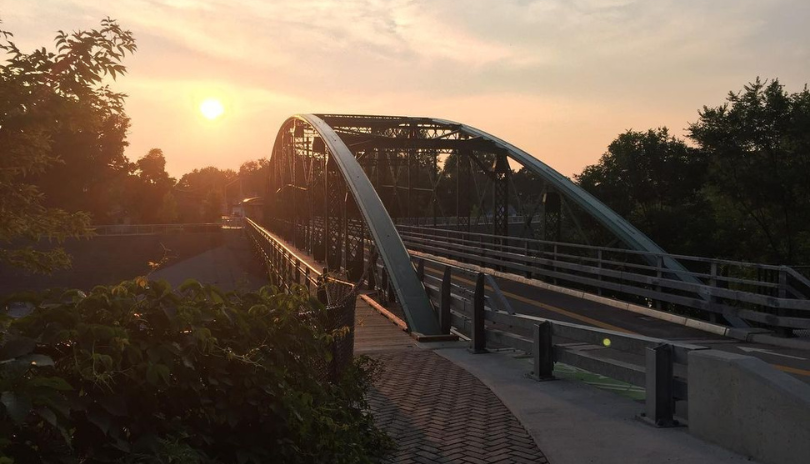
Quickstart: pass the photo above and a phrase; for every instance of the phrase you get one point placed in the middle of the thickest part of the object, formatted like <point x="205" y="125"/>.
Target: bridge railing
<point x="483" y="315"/>
<point x="287" y="270"/>
<point x="772" y="296"/>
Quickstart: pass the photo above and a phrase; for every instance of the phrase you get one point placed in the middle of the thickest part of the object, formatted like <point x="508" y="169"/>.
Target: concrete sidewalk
<point x="429" y="407"/>
<point x="574" y="423"/>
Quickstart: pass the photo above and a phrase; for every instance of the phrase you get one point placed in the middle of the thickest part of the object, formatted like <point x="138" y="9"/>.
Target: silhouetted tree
<point x="200" y="193"/>
<point x="758" y="148"/>
<point x="148" y="201"/>
<point x="655" y="181"/>
<point x="54" y="111"/>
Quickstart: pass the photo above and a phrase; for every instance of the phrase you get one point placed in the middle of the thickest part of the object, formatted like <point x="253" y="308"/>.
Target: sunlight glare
<point x="211" y="108"/>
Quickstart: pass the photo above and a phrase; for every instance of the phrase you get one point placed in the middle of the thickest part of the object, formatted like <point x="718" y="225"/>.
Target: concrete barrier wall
<point x="749" y="407"/>
<point x="104" y="260"/>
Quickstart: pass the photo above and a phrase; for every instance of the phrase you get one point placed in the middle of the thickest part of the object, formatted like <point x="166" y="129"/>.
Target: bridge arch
<point x="339" y="183"/>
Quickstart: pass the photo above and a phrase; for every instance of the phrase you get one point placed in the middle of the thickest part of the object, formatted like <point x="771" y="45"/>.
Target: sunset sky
<point x="560" y="79"/>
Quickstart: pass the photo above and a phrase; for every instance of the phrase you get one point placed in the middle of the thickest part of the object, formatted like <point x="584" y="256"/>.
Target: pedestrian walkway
<point x="436" y="411"/>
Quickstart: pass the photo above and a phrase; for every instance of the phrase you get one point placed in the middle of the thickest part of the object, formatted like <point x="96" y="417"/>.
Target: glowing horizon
<point x="558" y="79"/>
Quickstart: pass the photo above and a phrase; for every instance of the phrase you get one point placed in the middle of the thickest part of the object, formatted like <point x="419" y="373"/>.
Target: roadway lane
<point x="533" y="301"/>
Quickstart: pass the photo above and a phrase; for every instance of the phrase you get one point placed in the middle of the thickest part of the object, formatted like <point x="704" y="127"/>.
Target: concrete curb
<point x="752" y="335"/>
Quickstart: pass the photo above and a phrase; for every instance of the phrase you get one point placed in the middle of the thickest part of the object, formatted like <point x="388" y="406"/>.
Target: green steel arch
<point x="349" y="147"/>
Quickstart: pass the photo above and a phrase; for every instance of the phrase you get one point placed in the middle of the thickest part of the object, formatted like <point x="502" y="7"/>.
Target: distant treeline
<point x="114" y="190"/>
<point x="739" y="188"/>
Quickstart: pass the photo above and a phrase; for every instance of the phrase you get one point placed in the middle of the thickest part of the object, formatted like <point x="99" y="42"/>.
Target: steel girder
<point x="390" y="144"/>
<point x="332" y="177"/>
<point x="466" y="139"/>
<point x="621" y="228"/>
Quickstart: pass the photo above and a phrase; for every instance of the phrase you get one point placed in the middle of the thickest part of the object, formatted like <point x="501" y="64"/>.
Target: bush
<point x="139" y="373"/>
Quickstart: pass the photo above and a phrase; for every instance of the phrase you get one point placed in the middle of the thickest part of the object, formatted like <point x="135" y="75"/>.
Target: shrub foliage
<point x="140" y="373"/>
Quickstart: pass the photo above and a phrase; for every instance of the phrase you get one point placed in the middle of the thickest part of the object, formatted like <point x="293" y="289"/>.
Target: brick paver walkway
<point x="436" y="411"/>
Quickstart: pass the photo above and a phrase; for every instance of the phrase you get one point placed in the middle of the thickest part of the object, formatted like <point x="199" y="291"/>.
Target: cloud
<point x="582" y="67"/>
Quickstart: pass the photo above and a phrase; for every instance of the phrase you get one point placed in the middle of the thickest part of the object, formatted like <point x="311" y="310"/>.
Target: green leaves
<point x="17" y="406"/>
<point x="53" y="111"/>
<point x="140" y="369"/>
<point x="14" y="347"/>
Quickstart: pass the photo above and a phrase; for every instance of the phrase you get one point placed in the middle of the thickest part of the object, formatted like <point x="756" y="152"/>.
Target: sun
<point x="211" y="108"/>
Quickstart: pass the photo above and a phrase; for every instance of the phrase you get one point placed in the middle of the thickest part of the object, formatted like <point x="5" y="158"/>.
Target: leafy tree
<point x="655" y="181"/>
<point x="139" y="373"/>
<point x="253" y="176"/>
<point x="152" y="168"/>
<point x="150" y="198"/>
<point x="200" y="193"/>
<point x="53" y="104"/>
<point x="167" y="213"/>
<point x="758" y="148"/>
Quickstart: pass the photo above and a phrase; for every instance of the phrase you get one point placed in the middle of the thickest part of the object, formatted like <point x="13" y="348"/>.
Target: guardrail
<point x="486" y="318"/>
<point x="773" y="296"/>
<point x="286" y="270"/>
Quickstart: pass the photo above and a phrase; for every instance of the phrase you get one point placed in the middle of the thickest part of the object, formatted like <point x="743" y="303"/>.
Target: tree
<point x="253" y="176"/>
<point x="51" y="103"/>
<point x="200" y="193"/>
<point x="758" y="148"/>
<point x="150" y="194"/>
<point x="167" y="213"/>
<point x="655" y="181"/>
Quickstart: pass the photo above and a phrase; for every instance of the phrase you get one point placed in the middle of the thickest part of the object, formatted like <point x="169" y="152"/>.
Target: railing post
<point x="446" y="301"/>
<point x="713" y="285"/>
<point x="554" y="268"/>
<point x="307" y="279"/>
<point x="543" y="352"/>
<point x="478" y="341"/>
<point x="599" y="265"/>
<point x="528" y="263"/>
<point x="321" y="291"/>
<point x="297" y="271"/>
<point x="420" y="270"/>
<point x="660" y="404"/>
<point x="659" y="268"/>
<point x="782" y="293"/>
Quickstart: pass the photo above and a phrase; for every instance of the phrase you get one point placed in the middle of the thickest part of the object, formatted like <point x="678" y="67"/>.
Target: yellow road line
<point x="548" y="307"/>
<point x="791" y="370"/>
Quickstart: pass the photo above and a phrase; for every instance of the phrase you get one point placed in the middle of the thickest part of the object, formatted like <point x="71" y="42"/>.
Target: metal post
<point x="444" y="309"/>
<point x="782" y="293"/>
<point x="660" y="405"/>
<point x="713" y="299"/>
<point x="478" y="342"/>
<point x="322" y="287"/>
<point x="528" y="263"/>
<point x="659" y="268"/>
<point x="420" y="270"/>
<point x="543" y="352"/>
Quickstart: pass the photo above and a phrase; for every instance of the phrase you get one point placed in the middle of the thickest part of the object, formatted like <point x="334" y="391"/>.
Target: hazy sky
<point x="560" y="79"/>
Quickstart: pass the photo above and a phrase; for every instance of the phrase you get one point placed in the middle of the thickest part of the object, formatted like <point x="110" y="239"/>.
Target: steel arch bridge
<point x="339" y="183"/>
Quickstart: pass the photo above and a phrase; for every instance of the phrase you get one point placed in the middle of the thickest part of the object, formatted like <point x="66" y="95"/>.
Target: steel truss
<point x="340" y="182"/>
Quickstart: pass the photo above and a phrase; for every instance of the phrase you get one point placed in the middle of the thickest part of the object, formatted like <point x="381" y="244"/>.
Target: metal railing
<point x="484" y="316"/>
<point x="772" y="296"/>
<point x="286" y="270"/>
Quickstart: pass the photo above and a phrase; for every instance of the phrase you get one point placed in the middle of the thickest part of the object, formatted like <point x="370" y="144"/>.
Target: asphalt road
<point x="533" y="301"/>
